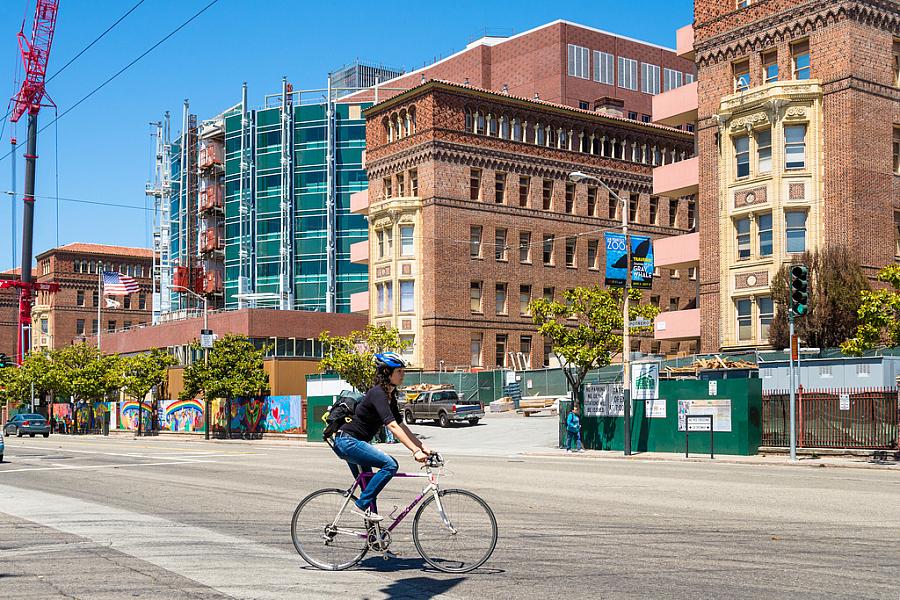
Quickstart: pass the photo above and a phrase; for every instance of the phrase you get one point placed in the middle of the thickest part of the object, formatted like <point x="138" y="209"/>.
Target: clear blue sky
<point x="104" y="145"/>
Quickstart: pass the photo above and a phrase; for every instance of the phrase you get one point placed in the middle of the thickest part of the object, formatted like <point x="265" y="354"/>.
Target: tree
<point x="87" y="374"/>
<point x="142" y="372"/>
<point x="835" y="283"/>
<point x="39" y="369"/>
<point x="878" y="315"/>
<point x="233" y="369"/>
<point x="586" y="329"/>
<point x="13" y="390"/>
<point x="351" y="356"/>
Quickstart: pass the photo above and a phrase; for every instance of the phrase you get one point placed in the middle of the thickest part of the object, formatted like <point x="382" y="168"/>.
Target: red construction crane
<point x="30" y="98"/>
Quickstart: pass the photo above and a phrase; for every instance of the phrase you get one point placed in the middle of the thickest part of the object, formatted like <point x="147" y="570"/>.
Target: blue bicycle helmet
<point x="390" y="360"/>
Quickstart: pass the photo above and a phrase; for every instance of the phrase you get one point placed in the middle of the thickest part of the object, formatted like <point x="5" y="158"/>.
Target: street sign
<point x="639" y="322"/>
<point x="845" y="401"/>
<point x="698" y="423"/>
<point x="795" y="348"/>
<point x="206" y="338"/>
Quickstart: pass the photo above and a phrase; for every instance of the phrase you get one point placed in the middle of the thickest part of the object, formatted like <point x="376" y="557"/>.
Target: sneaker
<point x="369" y="516"/>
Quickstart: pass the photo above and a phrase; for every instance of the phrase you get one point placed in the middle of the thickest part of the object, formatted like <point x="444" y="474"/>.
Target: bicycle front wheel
<point x="459" y="540"/>
<point x="324" y="538"/>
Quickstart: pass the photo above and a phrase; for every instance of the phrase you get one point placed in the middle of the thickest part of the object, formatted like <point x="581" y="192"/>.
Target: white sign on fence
<point x="719" y="409"/>
<point x="605" y="400"/>
<point x="655" y="409"/>
<point x="698" y="422"/>
<point x="713" y="388"/>
<point x="845" y="401"/>
<point x="645" y="381"/>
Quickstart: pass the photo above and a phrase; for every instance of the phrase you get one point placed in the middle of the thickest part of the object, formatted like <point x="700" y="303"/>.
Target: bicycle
<point x="454" y="530"/>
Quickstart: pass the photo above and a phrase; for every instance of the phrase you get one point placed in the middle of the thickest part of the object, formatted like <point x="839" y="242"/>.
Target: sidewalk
<point x="763" y="459"/>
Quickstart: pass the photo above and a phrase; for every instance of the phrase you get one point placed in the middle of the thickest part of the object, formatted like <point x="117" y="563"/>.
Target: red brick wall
<point x="9" y="311"/>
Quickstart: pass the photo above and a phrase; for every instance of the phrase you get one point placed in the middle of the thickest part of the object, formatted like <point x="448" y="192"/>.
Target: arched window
<point x="470" y="122"/>
<point x="553" y="136"/>
<point x="492" y="125"/>
<point x="540" y="135"/>
<point x="412" y="119"/>
<point x="517" y="130"/>
<point x="387" y="129"/>
<point x="479" y="123"/>
<point x="563" y="139"/>
<point x="504" y="128"/>
<point x="404" y="119"/>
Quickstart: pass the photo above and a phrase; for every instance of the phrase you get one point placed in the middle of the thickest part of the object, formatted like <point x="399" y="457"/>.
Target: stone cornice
<point x="797" y="22"/>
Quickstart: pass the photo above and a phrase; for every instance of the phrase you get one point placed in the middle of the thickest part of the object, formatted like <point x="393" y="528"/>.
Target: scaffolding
<point x="160" y="190"/>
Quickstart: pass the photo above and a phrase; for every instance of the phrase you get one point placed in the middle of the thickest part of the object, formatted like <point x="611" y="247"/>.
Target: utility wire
<point x="125" y="68"/>
<point x="81" y="201"/>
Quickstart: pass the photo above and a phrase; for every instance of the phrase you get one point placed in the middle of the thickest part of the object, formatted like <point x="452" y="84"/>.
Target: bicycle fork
<point x="441" y="512"/>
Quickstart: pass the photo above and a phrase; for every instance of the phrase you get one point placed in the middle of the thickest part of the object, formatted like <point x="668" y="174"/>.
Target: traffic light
<point x="799" y="290"/>
<point x="6" y="361"/>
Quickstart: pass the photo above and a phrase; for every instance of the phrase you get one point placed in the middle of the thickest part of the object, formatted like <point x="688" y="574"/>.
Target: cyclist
<point x="352" y="442"/>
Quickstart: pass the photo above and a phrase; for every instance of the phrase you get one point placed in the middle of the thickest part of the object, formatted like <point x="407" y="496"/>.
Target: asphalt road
<point x="171" y="518"/>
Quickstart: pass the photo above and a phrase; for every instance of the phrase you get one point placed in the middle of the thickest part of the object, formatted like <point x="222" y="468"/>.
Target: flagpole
<point x="99" y="301"/>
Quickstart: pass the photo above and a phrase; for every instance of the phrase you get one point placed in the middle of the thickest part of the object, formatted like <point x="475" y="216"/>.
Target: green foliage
<point x="234" y="369"/>
<point x="40" y="369"/>
<point x="835" y="282"/>
<point x="85" y="373"/>
<point x="351" y="356"/>
<point x="879" y="315"/>
<point x="13" y="389"/>
<point x="141" y="372"/>
<point x="586" y="329"/>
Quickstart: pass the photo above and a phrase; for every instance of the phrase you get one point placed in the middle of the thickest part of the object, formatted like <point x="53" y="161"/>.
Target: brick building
<point x="9" y="311"/>
<point x="797" y="105"/>
<point x="472" y="215"/>
<point x="70" y="315"/>
<point x="561" y="62"/>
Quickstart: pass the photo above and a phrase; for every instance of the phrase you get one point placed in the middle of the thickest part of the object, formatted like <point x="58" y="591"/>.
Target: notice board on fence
<point x="605" y="400"/>
<point x="720" y="410"/>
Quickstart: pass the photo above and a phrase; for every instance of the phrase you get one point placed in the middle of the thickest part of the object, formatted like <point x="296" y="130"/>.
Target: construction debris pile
<point x="707" y="364"/>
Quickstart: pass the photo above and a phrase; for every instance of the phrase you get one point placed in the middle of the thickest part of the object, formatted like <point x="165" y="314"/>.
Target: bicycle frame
<point x="432" y="488"/>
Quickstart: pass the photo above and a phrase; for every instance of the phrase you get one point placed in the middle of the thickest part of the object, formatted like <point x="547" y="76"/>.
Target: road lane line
<point x="235" y="566"/>
<point x="119" y="466"/>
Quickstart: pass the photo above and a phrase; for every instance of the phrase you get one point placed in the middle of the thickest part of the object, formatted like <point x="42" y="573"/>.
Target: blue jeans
<point x="573" y="440"/>
<point x="362" y="456"/>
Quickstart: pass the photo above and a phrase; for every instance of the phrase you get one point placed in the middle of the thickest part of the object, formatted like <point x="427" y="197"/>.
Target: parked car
<point x="443" y="406"/>
<point x="1" y="446"/>
<point x="27" y="424"/>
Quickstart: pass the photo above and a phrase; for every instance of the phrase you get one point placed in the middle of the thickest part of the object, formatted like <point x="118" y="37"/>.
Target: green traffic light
<point x="800" y="287"/>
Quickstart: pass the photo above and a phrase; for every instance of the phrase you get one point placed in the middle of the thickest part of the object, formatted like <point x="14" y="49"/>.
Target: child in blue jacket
<point x="573" y="431"/>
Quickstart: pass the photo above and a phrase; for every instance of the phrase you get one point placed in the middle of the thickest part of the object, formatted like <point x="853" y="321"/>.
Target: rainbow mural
<point x="128" y="415"/>
<point x="181" y="415"/>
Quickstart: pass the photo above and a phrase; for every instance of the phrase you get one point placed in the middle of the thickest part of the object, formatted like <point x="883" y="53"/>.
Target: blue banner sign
<point x="617" y="261"/>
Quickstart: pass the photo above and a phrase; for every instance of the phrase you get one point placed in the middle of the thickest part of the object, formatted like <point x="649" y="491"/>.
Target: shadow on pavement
<point x="420" y="588"/>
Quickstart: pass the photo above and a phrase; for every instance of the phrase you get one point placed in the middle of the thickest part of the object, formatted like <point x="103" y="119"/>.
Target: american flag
<point x="116" y="284"/>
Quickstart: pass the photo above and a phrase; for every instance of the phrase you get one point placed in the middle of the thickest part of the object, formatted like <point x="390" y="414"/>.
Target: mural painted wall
<point x="181" y="415"/>
<point x="128" y="415"/>
<point x="273" y="414"/>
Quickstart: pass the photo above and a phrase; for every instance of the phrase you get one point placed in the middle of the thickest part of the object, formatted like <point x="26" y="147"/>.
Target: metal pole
<point x="28" y="205"/>
<point x="32" y="396"/>
<point x="793" y="432"/>
<point x="626" y="333"/>
<point x="99" y="300"/>
<point x="12" y="238"/>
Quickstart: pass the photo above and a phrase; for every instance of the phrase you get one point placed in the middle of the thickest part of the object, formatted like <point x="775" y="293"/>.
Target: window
<point x="896" y="150"/>
<point x="632" y="115"/>
<point x="95" y="297"/>
<point x="525" y="347"/>
<point x="479" y="123"/>
<point x="654" y="301"/>
<point x="744" y="320"/>
<point x="673" y="303"/>
<point x="407" y="245"/>
<point x="500" y="297"/>
<point x="672" y="79"/>
<point x="742" y="155"/>
<point x="499" y="187"/>
<point x="583" y="105"/>
<point x="741" y="76"/>
<point x="764" y="151"/>
<point x="110" y="326"/>
<point x="475" y="297"/>
<point x="389" y="297"/>
<point x="504" y="128"/>
<point x="94" y="328"/>
<point x="592" y="255"/>
<point x="604" y="67"/>
<point x="407" y="296"/>
<point x="79" y="327"/>
<point x="379" y="290"/>
<point x="633" y="200"/>
<point x="524" y="300"/>
<point x="766" y="314"/>
<point x="689" y="78"/>
<point x="795" y="222"/>
<point x="142" y="301"/>
<point x="654" y="209"/>
<point x="692" y="214"/>
<point x="743" y="238"/>
<point x="896" y="234"/>
<point x="500" y="351"/>
<point x="517" y="130"/>
<point x="795" y="147"/>
<point x="613" y="206"/>
<point x="579" y="62"/>
<point x="475" y="241"/>
<point x="45" y="326"/>
<point x="475" y="349"/>
<point x="800" y="59"/>
<point x="592" y="201"/>
<point x="692" y="273"/>
<point x="646" y="118"/>
<point x="492" y="126"/>
<point x="549" y="294"/>
<point x="628" y="73"/>
<point x="410" y="348"/>
<point x="764" y="227"/>
<point x="524" y="184"/>
<point x="79" y="298"/>
<point x="896" y="63"/>
<point x="548" y="194"/>
<point x="570" y="198"/>
<point x="649" y="79"/>
<point x="571" y="248"/>
<point x="548" y="352"/>
<point x="381" y="244"/>
<point x="770" y="67"/>
<point x="387" y="187"/>
<point x="500" y="245"/>
<point x="127" y="324"/>
<point x="540" y="137"/>
<point x="389" y="242"/>
<point x="743" y="3"/>
<point x="475" y="184"/>
<point x="401" y="191"/>
<point x="414" y="183"/>
<point x="548" y="250"/>
<point x="525" y="246"/>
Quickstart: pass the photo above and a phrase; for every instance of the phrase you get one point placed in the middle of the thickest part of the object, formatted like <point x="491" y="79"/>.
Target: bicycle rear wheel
<point x="466" y="543"/>
<point x="322" y="542"/>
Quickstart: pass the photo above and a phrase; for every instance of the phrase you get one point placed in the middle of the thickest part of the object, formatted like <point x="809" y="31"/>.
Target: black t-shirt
<point x="374" y="411"/>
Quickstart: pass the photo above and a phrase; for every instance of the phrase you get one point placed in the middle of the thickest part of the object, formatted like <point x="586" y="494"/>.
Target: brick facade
<point x="535" y="63"/>
<point x="853" y="108"/>
<point x="9" y="311"/>
<point x="443" y="150"/>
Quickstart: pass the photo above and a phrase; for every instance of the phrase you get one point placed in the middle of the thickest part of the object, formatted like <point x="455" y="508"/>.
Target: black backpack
<point x="340" y="412"/>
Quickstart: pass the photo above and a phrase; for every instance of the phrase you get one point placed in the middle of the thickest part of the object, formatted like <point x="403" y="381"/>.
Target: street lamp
<point x="180" y="288"/>
<point x="576" y="177"/>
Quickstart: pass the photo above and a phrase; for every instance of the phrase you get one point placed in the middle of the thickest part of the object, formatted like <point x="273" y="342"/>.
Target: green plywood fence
<point x="661" y="434"/>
